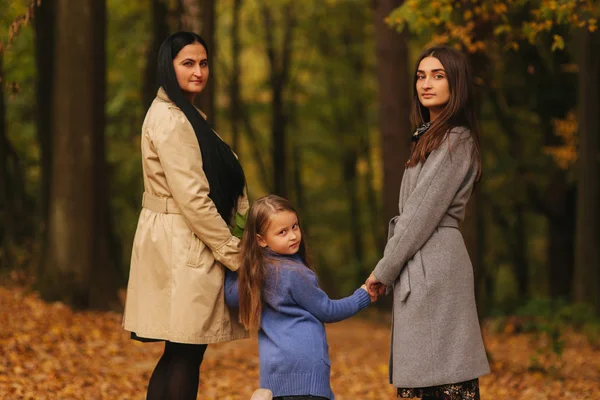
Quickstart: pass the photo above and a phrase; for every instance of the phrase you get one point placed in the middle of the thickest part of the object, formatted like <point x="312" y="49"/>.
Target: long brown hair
<point x="459" y="111"/>
<point x="252" y="273"/>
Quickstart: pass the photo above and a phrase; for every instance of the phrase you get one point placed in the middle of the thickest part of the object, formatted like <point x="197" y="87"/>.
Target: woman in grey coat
<point x="437" y="350"/>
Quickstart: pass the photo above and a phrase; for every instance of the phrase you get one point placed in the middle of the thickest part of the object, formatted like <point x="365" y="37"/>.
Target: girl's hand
<point x="373" y="296"/>
<point x="374" y="287"/>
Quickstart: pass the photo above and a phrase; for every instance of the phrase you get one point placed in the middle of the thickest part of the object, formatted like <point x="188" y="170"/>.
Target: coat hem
<point x="449" y="381"/>
<point x="188" y="339"/>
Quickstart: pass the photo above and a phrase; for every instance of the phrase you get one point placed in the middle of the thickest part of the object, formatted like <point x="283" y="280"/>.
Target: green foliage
<point x="549" y="319"/>
<point x="557" y="312"/>
<point x="239" y="224"/>
<point x="480" y="25"/>
<point x="520" y="51"/>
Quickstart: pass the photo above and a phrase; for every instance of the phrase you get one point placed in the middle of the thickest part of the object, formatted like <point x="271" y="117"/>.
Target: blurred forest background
<point x="314" y="97"/>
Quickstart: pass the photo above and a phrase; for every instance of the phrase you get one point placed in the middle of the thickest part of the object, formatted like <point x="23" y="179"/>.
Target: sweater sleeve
<point x="306" y="293"/>
<point x="440" y="179"/>
<point x="180" y="156"/>
<point x="231" y="289"/>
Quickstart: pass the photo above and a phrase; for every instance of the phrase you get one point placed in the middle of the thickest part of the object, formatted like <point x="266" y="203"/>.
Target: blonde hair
<point x="252" y="273"/>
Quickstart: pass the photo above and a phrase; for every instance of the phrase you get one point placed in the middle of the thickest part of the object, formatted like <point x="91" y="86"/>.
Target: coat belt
<point x="164" y="205"/>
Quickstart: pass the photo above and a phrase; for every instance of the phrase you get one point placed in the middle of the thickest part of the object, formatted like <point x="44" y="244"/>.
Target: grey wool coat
<point x="436" y="337"/>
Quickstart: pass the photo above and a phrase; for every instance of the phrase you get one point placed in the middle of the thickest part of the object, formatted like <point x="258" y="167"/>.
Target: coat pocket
<point x="194" y="252"/>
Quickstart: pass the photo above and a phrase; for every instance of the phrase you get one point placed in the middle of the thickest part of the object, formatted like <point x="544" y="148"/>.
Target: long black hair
<point x="223" y="170"/>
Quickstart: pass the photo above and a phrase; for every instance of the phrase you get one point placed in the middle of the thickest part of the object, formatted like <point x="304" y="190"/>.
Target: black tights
<point x="177" y="374"/>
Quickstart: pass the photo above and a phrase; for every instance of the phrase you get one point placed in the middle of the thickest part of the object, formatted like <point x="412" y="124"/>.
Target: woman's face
<point x="432" y="85"/>
<point x="191" y="69"/>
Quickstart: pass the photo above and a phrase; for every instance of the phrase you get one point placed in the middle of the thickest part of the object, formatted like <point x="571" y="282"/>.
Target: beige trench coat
<point x="181" y="245"/>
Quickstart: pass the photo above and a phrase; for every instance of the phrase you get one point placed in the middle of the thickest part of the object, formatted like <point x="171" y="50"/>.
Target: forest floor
<point x="52" y="352"/>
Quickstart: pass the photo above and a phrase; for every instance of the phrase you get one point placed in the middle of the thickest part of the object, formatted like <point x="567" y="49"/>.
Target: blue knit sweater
<point x="292" y="347"/>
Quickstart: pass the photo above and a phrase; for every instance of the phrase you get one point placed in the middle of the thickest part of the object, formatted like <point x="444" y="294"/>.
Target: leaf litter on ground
<point x="52" y="352"/>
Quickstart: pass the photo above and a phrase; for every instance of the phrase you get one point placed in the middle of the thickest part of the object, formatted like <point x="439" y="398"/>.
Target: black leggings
<point x="177" y="374"/>
<point x="306" y="397"/>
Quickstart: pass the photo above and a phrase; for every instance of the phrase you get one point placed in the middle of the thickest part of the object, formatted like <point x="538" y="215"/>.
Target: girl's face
<point x="432" y="86"/>
<point x="191" y="69"/>
<point x="283" y="234"/>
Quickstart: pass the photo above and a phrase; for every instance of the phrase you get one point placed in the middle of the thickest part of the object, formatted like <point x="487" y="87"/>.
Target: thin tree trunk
<point x="587" y="240"/>
<point x="560" y="198"/>
<point x="7" y="213"/>
<point x="234" y="83"/>
<point x="519" y="248"/>
<point x="298" y="186"/>
<point x="372" y="202"/>
<point x="79" y="269"/>
<point x="190" y="16"/>
<point x="206" y="99"/>
<point x="470" y="230"/>
<point x="12" y="185"/>
<point x="279" y="63"/>
<point x="160" y="31"/>
<point x="394" y="103"/>
<point x="44" y="48"/>
<point x="256" y="150"/>
<point x="350" y="182"/>
<point x="106" y="276"/>
<point x="520" y="253"/>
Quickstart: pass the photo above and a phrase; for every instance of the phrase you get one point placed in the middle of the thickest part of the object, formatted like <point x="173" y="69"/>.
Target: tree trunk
<point x="298" y="186"/>
<point x="190" y="16"/>
<point x="14" y="219"/>
<point x="234" y="85"/>
<point x="519" y="243"/>
<point x="160" y="31"/>
<point x="44" y="57"/>
<point x="473" y="235"/>
<point x="560" y="198"/>
<point x="79" y="269"/>
<point x="6" y="209"/>
<point x="393" y="79"/>
<point x="373" y="206"/>
<point x="351" y="184"/>
<point x="587" y="240"/>
<point x="206" y="99"/>
<point x="521" y="263"/>
<point x="279" y="62"/>
<point x="106" y="275"/>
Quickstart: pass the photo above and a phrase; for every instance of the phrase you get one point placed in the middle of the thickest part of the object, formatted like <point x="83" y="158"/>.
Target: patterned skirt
<point x="468" y="390"/>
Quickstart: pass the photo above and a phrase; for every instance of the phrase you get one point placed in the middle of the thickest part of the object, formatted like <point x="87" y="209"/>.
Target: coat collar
<point x="162" y="95"/>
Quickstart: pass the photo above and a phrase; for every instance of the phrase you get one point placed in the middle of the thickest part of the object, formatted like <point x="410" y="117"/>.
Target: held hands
<point x="374" y="287"/>
<point x="373" y="297"/>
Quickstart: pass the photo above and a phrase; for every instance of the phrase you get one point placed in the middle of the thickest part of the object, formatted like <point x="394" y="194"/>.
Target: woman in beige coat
<point x="193" y="186"/>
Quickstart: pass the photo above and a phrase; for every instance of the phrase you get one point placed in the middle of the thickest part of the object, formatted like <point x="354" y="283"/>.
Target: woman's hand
<point x="374" y="287"/>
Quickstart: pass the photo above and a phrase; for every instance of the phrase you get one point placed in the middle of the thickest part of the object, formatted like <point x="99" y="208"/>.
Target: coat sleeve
<point x="307" y="294"/>
<point x="180" y="157"/>
<point x="441" y="177"/>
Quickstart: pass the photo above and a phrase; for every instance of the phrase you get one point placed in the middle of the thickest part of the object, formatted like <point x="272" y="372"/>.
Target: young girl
<point x="437" y="349"/>
<point x="277" y="291"/>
